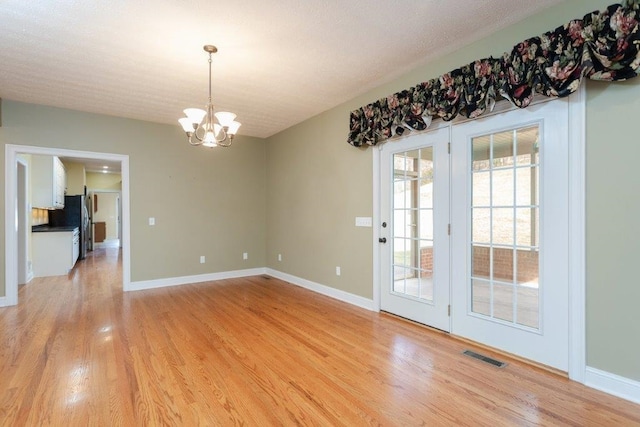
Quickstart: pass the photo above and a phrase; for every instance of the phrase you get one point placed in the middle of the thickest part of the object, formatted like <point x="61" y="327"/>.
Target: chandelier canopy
<point x="210" y="129"/>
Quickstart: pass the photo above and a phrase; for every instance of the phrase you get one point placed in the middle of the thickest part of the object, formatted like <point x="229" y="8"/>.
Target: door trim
<point x="577" y="230"/>
<point x="577" y="235"/>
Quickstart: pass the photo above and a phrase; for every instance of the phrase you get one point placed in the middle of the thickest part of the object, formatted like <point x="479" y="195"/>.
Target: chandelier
<point x="209" y="129"/>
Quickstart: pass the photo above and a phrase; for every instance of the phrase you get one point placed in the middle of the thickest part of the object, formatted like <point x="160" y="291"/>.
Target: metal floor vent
<point x="485" y="359"/>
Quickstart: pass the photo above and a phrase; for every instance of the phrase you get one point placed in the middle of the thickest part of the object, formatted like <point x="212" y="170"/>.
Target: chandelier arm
<point x="198" y="137"/>
<point x="222" y="135"/>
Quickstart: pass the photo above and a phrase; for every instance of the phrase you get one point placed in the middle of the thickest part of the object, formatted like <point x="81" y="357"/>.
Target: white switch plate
<point x="152" y="221"/>
<point x="338" y="271"/>
<point x="202" y="259"/>
<point x="364" y="221"/>
<point x="245" y="255"/>
<point x="279" y="257"/>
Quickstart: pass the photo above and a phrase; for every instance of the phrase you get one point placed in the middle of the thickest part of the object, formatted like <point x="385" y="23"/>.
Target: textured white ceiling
<point x="279" y="62"/>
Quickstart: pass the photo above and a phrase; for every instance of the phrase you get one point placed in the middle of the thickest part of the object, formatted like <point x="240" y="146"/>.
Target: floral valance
<point x="602" y="46"/>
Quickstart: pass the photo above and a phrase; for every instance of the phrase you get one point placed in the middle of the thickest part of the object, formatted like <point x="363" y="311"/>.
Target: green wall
<point x="613" y="229"/>
<point x="318" y="184"/>
<point x="206" y="201"/>
<point x="104" y="181"/>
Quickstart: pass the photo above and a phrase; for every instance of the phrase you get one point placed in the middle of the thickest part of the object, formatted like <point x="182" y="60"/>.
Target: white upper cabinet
<point x="48" y="182"/>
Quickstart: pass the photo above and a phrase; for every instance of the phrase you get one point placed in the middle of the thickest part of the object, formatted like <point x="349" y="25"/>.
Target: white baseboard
<point x="613" y="384"/>
<point x="184" y="280"/>
<point x="324" y="290"/>
<point x="4" y="302"/>
<point x="307" y="284"/>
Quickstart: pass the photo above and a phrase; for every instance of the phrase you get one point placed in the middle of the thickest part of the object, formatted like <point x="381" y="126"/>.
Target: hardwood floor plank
<point x="78" y="351"/>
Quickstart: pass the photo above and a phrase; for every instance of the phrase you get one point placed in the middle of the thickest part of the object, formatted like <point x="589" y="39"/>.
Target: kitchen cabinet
<point x="48" y="182"/>
<point x="55" y="252"/>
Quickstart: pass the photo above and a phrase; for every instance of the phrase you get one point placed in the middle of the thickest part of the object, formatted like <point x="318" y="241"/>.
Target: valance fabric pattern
<point x="603" y="45"/>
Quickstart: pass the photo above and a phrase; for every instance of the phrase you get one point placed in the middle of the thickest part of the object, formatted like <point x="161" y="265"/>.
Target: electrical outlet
<point x="245" y="255"/>
<point x="202" y="259"/>
<point x="338" y="271"/>
<point x="279" y="257"/>
<point x="152" y="221"/>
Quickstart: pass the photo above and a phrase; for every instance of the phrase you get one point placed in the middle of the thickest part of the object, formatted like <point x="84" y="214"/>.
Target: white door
<point x="510" y="232"/>
<point x="414" y="241"/>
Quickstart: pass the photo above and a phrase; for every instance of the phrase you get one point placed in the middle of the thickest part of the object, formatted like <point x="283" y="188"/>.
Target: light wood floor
<point x="255" y="351"/>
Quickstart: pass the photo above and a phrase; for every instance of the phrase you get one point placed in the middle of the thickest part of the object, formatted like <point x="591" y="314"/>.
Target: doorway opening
<point x="106" y="218"/>
<point x="16" y="220"/>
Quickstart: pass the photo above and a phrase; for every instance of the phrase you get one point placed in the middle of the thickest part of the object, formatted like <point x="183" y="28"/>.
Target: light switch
<point x="364" y="221"/>
<point x="152" y="221"/>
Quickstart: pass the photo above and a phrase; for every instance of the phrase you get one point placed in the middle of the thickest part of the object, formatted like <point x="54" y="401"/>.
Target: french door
<point x="414" y="228"/>
<point x="510" y="232"/>
<point x="482" y="233"/>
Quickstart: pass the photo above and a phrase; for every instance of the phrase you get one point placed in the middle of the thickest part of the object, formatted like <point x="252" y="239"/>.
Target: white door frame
<point x="23" y="212"/>
<point x="10" y="200"/>
<point x="577" y="230"/>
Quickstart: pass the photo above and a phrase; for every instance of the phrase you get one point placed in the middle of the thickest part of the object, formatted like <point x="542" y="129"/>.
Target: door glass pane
<point x="413" y="223"/>
<point x="527" y="146"/>
<point x="481" y="262"/>
<point x="426" y="224"/>
<point x="481" y="191"/>
<point x="481" y="297"/>
<point x="426" y="192"/>
<point x="502" y="188"/>
<point x="426" y="178"/>
<point x="410" y="221"/>
<point x="399" y="222"/>
<point x="503" y="302"/>
<point x="528" y="267"/>
<point x="399" y="252"/>
<point x="504" y="226"/>
<point x="481" y="225"/>
<point x="526" y="179"/>
<point x="502" y="264"/>
<point x="526" y="227"/>
<point x="412" y="162"/>
<point x="426" y="269"/>
<point x="481" y="153"/>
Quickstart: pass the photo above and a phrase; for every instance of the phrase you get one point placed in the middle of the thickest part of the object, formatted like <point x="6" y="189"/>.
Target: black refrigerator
<point x="74" y="214"/>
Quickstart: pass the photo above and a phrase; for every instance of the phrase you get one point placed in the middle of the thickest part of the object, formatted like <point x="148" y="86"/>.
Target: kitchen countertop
<point x="49" y="229"/>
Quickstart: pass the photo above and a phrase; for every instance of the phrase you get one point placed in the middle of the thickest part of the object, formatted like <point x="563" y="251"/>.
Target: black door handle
<point x="382" y="240"/>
